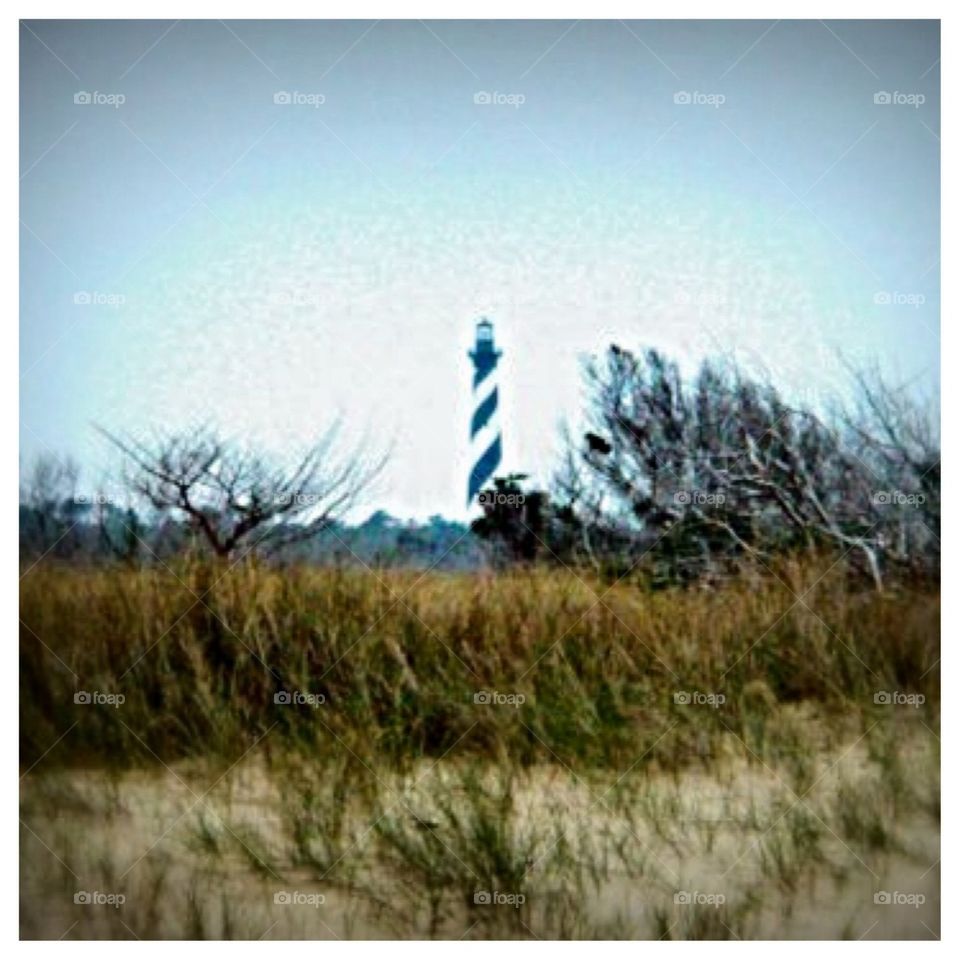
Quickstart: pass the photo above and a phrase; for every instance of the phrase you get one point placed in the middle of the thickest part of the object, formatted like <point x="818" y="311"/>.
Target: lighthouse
<point x="485" y="440"/>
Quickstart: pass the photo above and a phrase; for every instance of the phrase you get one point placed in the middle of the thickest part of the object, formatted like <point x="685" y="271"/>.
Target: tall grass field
<point x="214" y="751"/>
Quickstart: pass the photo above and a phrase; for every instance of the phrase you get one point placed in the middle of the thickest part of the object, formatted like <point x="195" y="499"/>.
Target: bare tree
<point x="897" y="440"/>
<point x="49" y="480"/>
<point x="724" y="467"/>
<point x="234" y="498"/>
<point x="48" y="505"/>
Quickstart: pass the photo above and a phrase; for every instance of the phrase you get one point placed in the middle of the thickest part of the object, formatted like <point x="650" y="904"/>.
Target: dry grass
<point x="199" y="654"/>
<point x="596" y="771"/>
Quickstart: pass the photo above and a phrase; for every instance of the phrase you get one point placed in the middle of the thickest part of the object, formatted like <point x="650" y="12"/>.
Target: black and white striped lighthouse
<point x="485" y="440"/>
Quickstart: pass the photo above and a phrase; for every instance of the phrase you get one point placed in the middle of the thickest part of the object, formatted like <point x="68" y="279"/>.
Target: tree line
<point x="691" y="479"/>
<point x="682" y="480"/>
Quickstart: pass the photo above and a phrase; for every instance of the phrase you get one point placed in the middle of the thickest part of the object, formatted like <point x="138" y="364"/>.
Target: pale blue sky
<point x="267" y="265"/>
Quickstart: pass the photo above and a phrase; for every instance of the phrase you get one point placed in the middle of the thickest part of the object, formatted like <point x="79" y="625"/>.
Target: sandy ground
<point x="200" y="853"/>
